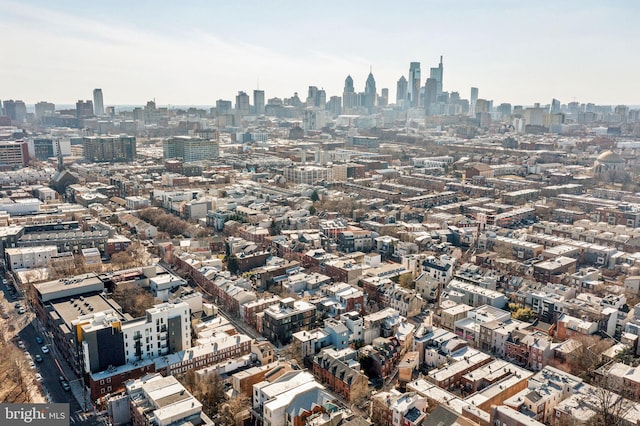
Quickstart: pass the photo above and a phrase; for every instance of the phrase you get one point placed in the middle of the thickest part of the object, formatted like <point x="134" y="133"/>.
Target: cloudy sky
<point x="194" y="52"/>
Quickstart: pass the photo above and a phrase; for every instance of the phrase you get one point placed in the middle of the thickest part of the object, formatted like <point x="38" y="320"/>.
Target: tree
<point x="314" y="196"/>
<point x="293" y="352"/>
<point x="312" y="210"/>
<point x="610" y="407"/>
<point x="360" y="391"/>
<point x="232" y="264"/>
<point x="406" y="281"/>
<point x="208" y="389"/>
<point x="232" y="411"/>
<point x="586" y="358"/>
<point x="378" y="411"/>
<point x="121" y="260"/>
<point x="133" y="299"/>
<point x="523" y="314"/>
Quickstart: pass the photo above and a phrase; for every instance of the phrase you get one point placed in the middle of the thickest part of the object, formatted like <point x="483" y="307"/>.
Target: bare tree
<point x="235" y="410"/>
<point x="360" y="391"/>
<point x="610" y="406"/>
<point x="133" y="299"/>
<point x="585" y="359"/>
<point x="378" y="412"/>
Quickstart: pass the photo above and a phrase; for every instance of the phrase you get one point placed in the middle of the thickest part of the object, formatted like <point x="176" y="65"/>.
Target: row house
<point x="231" y="293"/>
<point x="568" y="326"/>
<point x="529" y="348"/>
<point x="552" y="271"/>
<point x="406" y="301"/>
<point x="384" y="354"/>
<point x="440" y="268"/>
<point x="345" y="270"/>
<point x="338" y="299"/>
<point x="249" y="311"/>
<point x="289" y="316"/>
<point x="339" y="371"/>
<point x="546" y="389"/>
<point x="212" y="350"/>
<point x="450" y="376"/>
<point x="473" y="295"/>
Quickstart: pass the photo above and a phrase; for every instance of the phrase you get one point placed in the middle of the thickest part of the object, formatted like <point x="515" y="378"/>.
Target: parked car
<point x="45" y="350"/>
<point x="38" y="358"/>
<point x="21" y="310"/>
<point x="39" y="377"/>
<point x="66" y="386"/>
<point x="39" y="340"/>
<point x="21" y="344"/>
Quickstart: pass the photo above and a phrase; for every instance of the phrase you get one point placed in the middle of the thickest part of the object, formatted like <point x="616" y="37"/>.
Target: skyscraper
<point x="348" y="85"/>
<point x="15" y="110"/>
<point x="258" y="101"/>
<point x="413" y="88"/>
<point x="370" y="93"/>
<point x="84" y="109"/>
<point x="98" y="104"/>
<point x="472" y="100"/>
<point x="555" y="106"/>
<point x="430" y="95"/>
<point x="401" y="91"/>
<point x="437" y="74"/>
<point x="242" y="104"/>
<point x="383" y="99"/>
<point x="44" y="108"/>
<point x="349" y="97"/>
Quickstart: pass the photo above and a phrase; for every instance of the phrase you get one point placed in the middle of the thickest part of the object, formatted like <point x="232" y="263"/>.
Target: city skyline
<point x="514" y="53"/>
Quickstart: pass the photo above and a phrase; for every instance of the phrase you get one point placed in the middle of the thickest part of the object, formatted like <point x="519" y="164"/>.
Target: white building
<point x="165" y="329"/>
<point x="30" y="257"/>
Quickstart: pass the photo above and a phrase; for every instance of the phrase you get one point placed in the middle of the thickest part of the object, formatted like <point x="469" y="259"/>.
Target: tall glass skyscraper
<point x="98" y="103"/>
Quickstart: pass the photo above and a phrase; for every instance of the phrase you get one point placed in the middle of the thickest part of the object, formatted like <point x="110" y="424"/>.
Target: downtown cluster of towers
<point x="410" y="93"/>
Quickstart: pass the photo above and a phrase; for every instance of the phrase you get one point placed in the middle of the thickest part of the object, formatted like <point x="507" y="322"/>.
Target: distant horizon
<point x="200" y="51"/>
<point x="31" y="107"/>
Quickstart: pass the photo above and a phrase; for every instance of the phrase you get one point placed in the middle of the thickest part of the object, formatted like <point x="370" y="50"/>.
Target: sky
<point x="194" y="52"/>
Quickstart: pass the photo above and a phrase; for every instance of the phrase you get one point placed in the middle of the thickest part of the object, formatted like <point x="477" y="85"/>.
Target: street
<point x="26" y="330"/>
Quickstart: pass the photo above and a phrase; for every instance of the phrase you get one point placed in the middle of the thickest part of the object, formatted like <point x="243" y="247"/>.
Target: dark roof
<point x="441" y="416"/>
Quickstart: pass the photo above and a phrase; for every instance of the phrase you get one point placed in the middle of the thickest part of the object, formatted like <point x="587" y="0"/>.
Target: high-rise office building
<point x="437" y="74"/>
<point x="503" y="110"/>
<point x="350" y="98"/>
<point x="348" y="85"/>
<point x="401" y="91"/>
<point x="472" y="101"/>
<point x="555" y="106"/>
<point x="223" y="107"/>
<point x="242" y="104"/>
<point x="98" y="103"/>
<point x="44" y="108"/>
<point x="14" y="154"/>
<point x="370" y="93"/>
<point x="334" y="106"/>
<point x="84" y="109"/>
<point x="190" y="149"/>
<point x="430" y="95"/>
<point x="316" y="97"/>
<point x="413" y="89"/>
<point x="111" y="149"/>
<point x="383" y="99"/>
<point x="15" y="110"/>
<point x="258" y="101"/>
